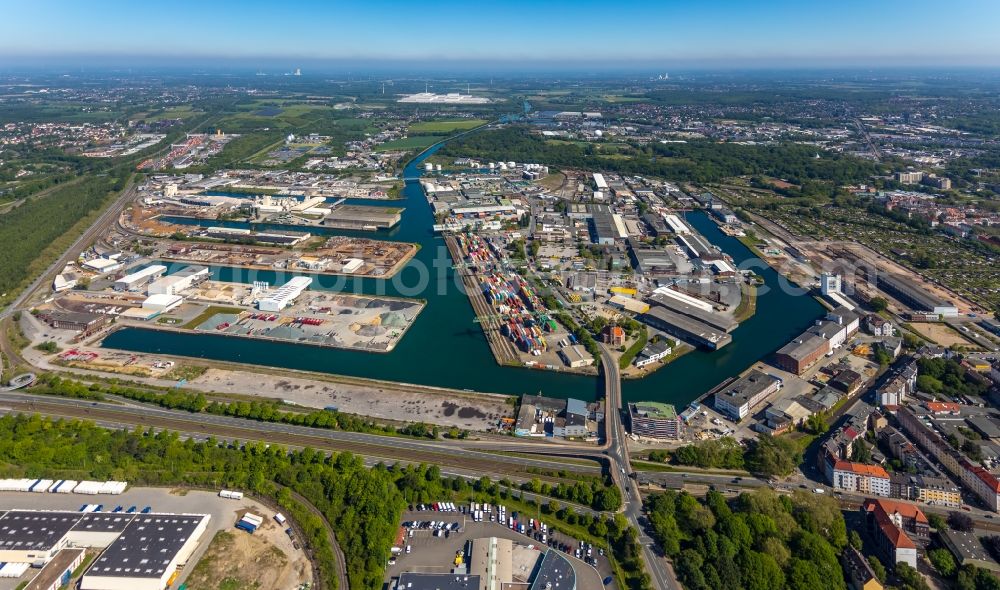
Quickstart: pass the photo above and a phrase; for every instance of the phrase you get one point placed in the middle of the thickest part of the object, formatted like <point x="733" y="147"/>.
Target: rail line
<point x="386" y="451"/>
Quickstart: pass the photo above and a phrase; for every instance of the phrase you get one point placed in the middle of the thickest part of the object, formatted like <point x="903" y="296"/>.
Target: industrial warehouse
<point x="188" y="300"/>
<point x="911" y="294"/>
<point x="364" y="217"/>
<point x="137" y="551"/>
<point x="821" y="339"/>
<point x="740" y="397"/>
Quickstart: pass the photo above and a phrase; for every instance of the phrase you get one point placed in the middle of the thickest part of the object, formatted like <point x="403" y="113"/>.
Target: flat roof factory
<point x="737" y="399"/>
<point x="422" y="581"/>
<point x="607" y="227"/>
<point x="361" y="216"/>
<point x="693" y="308"/>
<point x="912" y="294"/>
<point x="449" y="98"/>
<point x="284" y="295"/>
<point x="147" y="552"/>
<point x="696" y="245"/>
<point x="685" y="328"/>
<point x="139" y="551"/>
<point x="140" y="277"/>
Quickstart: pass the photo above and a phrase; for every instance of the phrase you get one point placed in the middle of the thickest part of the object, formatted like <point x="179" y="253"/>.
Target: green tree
<point x="770" y="456"/>
<point x="761" y="572"/>
<point x="943" y="561"/>
<point x="877" y="567"/>
<point x="860" y="451"/>
<point x="816" y="423"/>
<point x="937" y="521"/>
<point x="910" y="577"/>
<point x="855" y="540"/>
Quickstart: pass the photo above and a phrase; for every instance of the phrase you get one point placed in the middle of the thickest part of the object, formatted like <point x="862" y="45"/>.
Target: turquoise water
<point x="446" y="347"/>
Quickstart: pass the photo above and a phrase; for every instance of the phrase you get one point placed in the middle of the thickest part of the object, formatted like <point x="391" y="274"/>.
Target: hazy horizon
<point x="715" y="34"/>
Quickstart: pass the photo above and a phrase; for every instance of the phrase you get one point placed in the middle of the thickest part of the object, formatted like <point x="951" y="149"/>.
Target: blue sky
<point x="673" y="32"/>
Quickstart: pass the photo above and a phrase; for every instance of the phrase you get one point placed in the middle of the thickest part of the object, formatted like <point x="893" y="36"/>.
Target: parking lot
<point x="436" y="554"/>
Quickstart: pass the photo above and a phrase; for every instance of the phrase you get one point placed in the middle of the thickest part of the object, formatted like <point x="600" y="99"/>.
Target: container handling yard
<point x="517" y="324"/>
<point x="187" y="300"/>
<point x="373" y="324"/>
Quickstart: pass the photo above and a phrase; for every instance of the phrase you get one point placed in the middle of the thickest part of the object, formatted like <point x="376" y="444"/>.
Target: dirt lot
<point x="943" y="335"/>
<point x="236" y="560"/>
<point x="478" y="412"/>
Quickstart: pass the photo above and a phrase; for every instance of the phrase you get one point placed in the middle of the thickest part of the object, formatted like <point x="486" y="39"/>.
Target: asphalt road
<point x="660" y="572"/>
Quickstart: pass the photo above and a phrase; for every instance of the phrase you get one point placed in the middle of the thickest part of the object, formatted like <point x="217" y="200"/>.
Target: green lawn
<point x="414" y="142"/>
<point x="445" y="126"/>
<point x="178" y="112"/>
<point x="209" y="312"/>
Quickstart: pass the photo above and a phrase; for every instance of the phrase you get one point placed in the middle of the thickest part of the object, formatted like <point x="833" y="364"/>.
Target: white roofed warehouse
<point x="284" y="295"/>
<point x="147" y="553"/>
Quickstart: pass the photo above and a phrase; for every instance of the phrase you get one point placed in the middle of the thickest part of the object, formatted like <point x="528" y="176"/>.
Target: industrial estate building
<point x="911" y="294"/>
<point x="576" y="356"/>
<point x="183" y="279"/>
<point x="284" y="295"/>
<point x="138" y="551"/>
<point x="967" y="549"/>
<point x="737" y="399"/>
<point x="139" y="279"/>
<point x="79" y="321"/>
<point x="363" y="217"/>
<point x="546" y="416"/>
<point x="820" y="339"/>
<point x="147" y="552"/>
<point x="685" y="328"/>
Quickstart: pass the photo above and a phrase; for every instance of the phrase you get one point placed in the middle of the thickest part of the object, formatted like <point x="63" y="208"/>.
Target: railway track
<point x="382" y="451"/>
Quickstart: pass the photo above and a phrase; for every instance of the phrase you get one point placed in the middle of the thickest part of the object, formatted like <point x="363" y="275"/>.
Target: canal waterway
<point x="445" y="347"/>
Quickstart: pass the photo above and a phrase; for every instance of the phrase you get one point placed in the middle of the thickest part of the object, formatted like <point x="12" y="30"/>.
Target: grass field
<point x="178" y="112"/>
<point x="277" y="116"/>
<point x="209" y="312"/>
<point x="413" y="142"/>
<point x="446" y="126"/>
<point x="617" y="98"/>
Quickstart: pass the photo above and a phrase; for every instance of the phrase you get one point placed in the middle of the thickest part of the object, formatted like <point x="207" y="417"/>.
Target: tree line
<point x="759" y="541"/>
<point x="695" y="161"/>
<point x="767" y="456"/>
<point x="363" y="505"/>
<point x="30" y="228"/>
